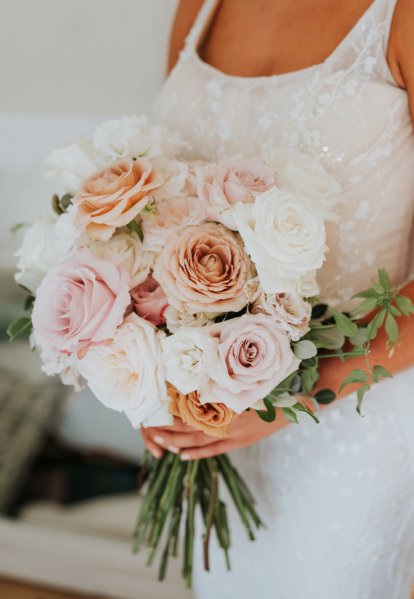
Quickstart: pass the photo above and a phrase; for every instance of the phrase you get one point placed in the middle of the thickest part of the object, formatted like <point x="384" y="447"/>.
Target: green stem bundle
<point x="174" y="490"/>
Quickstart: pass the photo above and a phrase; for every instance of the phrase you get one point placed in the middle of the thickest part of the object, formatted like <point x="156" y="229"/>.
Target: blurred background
<point x="68" y="466"/>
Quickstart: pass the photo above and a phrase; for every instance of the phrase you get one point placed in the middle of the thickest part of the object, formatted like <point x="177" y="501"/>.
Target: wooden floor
<point x="14" y="590"/>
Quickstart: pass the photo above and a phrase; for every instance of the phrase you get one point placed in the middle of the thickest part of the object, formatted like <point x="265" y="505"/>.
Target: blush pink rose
<point x="204" y="269"/>
<point x="231" y="181"/>
<point x="113" y="197"/>
<point x="244" y="359"/>
<point x="150" y="301"/>
<point x="79" y="303"/>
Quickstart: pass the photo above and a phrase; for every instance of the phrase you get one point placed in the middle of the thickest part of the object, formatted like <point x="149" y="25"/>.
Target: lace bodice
<point x="347" y="111"/>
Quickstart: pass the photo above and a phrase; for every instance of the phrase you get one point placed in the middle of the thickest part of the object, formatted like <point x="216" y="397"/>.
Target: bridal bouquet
<point x="188" y="289"/>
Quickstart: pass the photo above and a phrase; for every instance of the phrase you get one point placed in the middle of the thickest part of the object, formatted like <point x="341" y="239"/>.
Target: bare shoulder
<point x="401" y="45"/>
<point x="185" y="16"/>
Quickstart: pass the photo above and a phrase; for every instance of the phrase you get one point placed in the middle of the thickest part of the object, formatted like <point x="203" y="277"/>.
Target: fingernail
<point x="173" y="449"/>
<point x="159" y="440"/>
<point x="185" y="457"/>
<point x="156" y="453"/>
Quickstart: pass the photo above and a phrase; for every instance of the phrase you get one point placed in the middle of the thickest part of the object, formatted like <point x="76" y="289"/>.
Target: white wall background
<point x="64" y="66"/>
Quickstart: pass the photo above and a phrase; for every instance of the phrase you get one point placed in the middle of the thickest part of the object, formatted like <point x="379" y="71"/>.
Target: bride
<point x="334" y="78"/>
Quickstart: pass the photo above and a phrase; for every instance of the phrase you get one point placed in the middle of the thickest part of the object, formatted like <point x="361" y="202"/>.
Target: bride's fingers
<point x="152" y="447"/>
<point x="175" y="441"/>
<point x="177" y="426"/>
<point x="207" y="451"/>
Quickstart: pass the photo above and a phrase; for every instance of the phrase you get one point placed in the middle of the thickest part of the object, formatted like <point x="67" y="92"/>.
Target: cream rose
<point x="125" y="250"/>
<point x="182" y="358"/>
<point x="284" y="234"/>
<point x="113" y="197"/>
<point x="125" y="373"/>
<point x="176" y="319"/>
<point x="304" y="175"/>
<point x="204" y="268"/>
<point x="289" y="310"/>
<point x="244" y="359"/>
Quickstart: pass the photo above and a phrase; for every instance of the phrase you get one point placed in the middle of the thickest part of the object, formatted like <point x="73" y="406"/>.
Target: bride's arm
<point x="248" y="428"/>
<point x="184" y="18"/>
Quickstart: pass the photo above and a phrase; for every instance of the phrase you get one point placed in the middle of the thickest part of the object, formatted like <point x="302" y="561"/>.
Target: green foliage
<point x="268" y="415"/>
<point x="360" y="396"/>
<point x="19" y="328"/>
<point x="344" y="323"/>
<point x="355" y="376"/>
<point x="325" y="396"/>
<point x="135" y="227"/>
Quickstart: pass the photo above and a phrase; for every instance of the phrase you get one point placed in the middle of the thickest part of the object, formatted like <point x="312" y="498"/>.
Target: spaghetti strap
<point x="200" y="24"/>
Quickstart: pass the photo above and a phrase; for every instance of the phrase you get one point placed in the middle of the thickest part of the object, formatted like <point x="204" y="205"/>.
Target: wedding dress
<point x="338" y="497"/>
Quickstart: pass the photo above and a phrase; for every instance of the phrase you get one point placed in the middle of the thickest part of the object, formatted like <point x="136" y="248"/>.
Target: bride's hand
<point x="191" y="444"/>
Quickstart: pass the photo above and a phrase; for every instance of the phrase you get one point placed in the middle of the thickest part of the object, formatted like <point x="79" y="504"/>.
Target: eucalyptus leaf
<point x="309" y="378"/>
<point x="379" y="372"/>
<point x="344" y="323"/>
<point x="290" y="415"/>
<point x="325" y="396"/>
<point x="21" y="327"/>
<point x="304" y="350"/>
<point x="405" y="305"/>
<point x="301" y="408"/>
<point x="268" y="415"/>
<point x="391" y="328"/>
<point x="355" y="376"/>
<point x="360" y="396"/>
<point x="330" y="338"/>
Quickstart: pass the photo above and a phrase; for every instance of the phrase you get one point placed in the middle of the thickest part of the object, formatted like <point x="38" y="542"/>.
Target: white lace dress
<point x="338" y="497"/>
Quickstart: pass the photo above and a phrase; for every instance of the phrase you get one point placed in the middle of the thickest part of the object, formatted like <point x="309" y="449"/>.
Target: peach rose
<point x="150" y="301"/>
<point x="213" y="419"/>
<point x="113" y="197"/>
<point x="233" y="180"/>
<point x="204" y="268"/>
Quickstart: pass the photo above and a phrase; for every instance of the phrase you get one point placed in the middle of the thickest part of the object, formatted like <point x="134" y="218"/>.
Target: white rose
<point x="182" y="357"/>
<point x="288" y="309"/>
<point x="57" y="363"/>
<point x="304" y="175"/>
<point x="176" y="319"/>
<point x="133" y="136"/>
<point x="125" y="250"/>
<point x="42" y="247"/>
<point x="284" y="234"/>
<point x="126" y="373"/>
<point x="167" y="218"/>
<point x="67" y="235"/>
<point x="73" y="163"/>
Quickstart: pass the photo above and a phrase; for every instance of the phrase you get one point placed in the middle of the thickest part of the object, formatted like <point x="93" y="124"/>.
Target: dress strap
<point x="200" y="25"/>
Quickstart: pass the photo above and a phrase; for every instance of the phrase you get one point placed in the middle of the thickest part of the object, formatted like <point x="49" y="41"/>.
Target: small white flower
<point x="133" y="136"/>
<point x="288" y="309"/>
<point x="304" y="175"/>
<point x="284" y="234"/>
<point x="176" y="319"/>
<point x="183" y="357"/>
<point x="44" y="245"/>
<point x="73" y="163"/>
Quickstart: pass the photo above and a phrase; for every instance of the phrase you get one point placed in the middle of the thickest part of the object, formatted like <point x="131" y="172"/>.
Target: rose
<point x="134" y="137"/>
<point x="305" y="175"/>
<point x="65" y="365"/>
<point x="213" y="419"/>
<point x="167" y="217"/>
<point x="233" y="180"/>
<point x="46" y="243"/>
<point x="80" y="302"/>
<point x="288" y="309"/>
<point x="204" y="268"/>
<point x="284" y="233"/>
<point x="113" y="197"/>
<point x="125" y="250"/>
<point x="182" y="358"/>
<point x="125" y="373"/>
<point x="244" y="359"/>
<point x="73" y="163"/>
<point x="150" y="301"/>
<point x="176" y="319"/>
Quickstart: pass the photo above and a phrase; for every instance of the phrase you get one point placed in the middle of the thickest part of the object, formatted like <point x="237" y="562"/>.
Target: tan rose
<point x="213" y="419"/>
<point x="113" y="197"/>
<point x="204" y="268"/>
